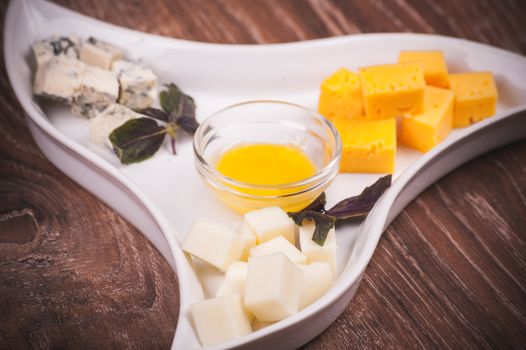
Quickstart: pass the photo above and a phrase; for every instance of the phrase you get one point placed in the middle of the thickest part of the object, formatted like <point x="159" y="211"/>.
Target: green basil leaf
<point x="137" y="140"/>
<point x="323" y="224"/>
<point x="359" y="206"/>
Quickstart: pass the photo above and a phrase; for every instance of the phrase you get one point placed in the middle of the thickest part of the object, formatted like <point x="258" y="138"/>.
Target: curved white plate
<point x="165" y="192"/>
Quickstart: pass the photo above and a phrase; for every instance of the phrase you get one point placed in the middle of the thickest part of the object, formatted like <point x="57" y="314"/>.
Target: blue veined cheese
<point x="99" y="53"/>
<point x="99" y="88"/>
<point x="138" y="84"/>
<point x="108" y="120"/>
<point x="45" y="49"/>
<point x="59" y="78"/>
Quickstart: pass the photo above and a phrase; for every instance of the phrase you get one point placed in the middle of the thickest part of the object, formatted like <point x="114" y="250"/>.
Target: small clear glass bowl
<point x="267" y="122"/>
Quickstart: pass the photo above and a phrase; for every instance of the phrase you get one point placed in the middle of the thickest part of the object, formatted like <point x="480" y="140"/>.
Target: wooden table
<point x="448" y="273"/>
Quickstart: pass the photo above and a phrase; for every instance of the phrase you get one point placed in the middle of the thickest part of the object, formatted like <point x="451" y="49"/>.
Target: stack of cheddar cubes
<point x="417" y="95"/>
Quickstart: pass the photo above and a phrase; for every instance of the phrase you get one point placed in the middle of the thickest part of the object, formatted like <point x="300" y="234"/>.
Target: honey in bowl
<point x="265" y="164"/>
<point x="260" y="154"/>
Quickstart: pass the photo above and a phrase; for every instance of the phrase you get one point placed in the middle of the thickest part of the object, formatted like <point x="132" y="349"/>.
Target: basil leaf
<point x="323" y="224"/>
<point x="188" y="124"/>
<point x="180" y="106"/>
<point x="137" y="140"/>
<point x="318" y="204"/>
<point x="359" y="206"/>
<point x="155" y="113"/>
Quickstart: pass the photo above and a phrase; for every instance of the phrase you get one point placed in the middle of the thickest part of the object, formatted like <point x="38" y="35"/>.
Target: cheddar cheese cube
<point x="341" y="95"/>
<point x="392" y="90"/>
<point x="433" y="63"/>
<point x="475" y="97"/>
<point x="369" y="146"/>
<point x="425" y="130"/>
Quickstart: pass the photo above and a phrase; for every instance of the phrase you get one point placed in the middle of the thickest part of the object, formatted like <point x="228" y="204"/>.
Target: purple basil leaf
<point x="155" y="113"/>
<point x="359" y="206"/>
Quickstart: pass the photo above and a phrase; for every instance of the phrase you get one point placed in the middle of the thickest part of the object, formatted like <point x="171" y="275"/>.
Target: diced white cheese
<point x="271" y="222"/>
<point x="279" y="245"/>
<point x="108" y="120"/>
<point x="209" y="277"/>
<point x="249" y="239"/>
<point x="257" y="325"/>
<point x="45" y="49"/>
<point x="235" y="279"/>
<point x="234" y="283"/>
<point x="59" y="78"/>
<point x="315" y="252"/>
<point x="273" y="287"/>
<point x="99" y="89"/>
<point x="138" y="84"/>
<point x="100" y="54"/>
<point x="317" y="279"/>
<point x="220" y="319"/>
<point x="213" y="243"/>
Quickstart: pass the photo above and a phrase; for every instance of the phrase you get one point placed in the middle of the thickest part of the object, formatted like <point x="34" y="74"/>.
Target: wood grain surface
<point x="448" y="273"/>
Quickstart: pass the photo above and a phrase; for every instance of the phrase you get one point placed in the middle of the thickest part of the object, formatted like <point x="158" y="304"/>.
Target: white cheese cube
<point x="234" y="283"/>
<point x="257" y="325"/>
<point x="235" y="279"/>
<point x="220" y="319"/>
<point x="270" y="222"/>
<point x="273" y="287"/>
<point x="59" y="78"/>
<point x="209" y="277"/>
<point x="315" y="252"/>
<point x="317" y="279"/>
<point x="99" y="89"/>
<point x="138" y="84"/>
<point x="213" y="243"/>
<point x="279" y="245"/>
<point x="100" y="54"/>
<point x="249" y="239"/>
<point x="45" y="49"/>
<point x="108" y="120"/>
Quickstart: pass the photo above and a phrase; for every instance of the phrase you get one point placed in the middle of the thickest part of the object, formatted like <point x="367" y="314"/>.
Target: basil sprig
<point x="356" y="207"/>
<point x="139" y="139"/>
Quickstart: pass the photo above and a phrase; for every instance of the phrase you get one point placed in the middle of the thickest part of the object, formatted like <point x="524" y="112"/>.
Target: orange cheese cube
<point x="392" y="90"/>
<point x="341" y="95"/>
<point x="369" y="146"/>
<point x="425" y="130"/>
<point x="475" y="97"/>
<point x="433" y="63"/>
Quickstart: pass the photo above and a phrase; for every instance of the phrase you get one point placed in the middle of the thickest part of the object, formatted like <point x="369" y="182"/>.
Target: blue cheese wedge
<point x="108" y="120"/>
<point x="138" y="84"/>
<point x="99" y="88"/>
<point x="60" y="78"/>
<point x="45" y="49"/>
<point x="98" y="53"/>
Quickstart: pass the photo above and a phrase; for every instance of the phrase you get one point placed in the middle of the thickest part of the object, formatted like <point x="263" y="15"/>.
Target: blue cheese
<point x="108" y="120"/>
<point x="59" y="78"/>
<point x="45" y="49"/>
<point x="138" y="84"/>
<point x="99" y="53"/>
<point x="99" y="88"/>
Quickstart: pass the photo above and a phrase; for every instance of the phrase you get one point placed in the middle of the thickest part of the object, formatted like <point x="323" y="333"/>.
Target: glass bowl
<point x="267" y="122"/>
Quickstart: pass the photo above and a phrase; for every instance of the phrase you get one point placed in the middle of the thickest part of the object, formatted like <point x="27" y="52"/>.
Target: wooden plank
<point x="448" y="273"/>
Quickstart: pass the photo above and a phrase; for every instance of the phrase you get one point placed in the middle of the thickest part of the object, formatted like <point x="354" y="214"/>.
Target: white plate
<point x="162" y="196"/>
